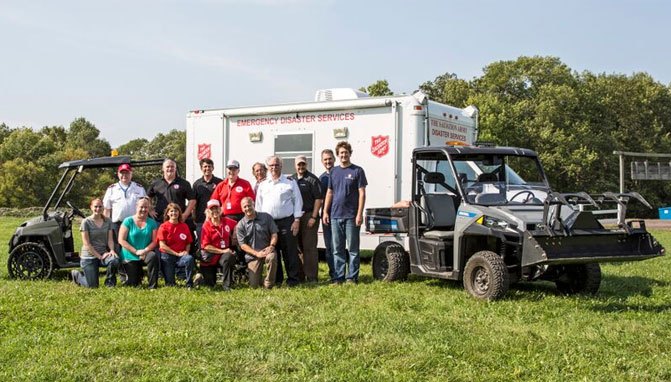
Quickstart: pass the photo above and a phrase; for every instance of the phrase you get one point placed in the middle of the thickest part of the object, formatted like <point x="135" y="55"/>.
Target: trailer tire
<point x="30" y="261"/>
<point x="390" y="262"/>
<point x="579" y="279"/>
<point x="486" y="276"/>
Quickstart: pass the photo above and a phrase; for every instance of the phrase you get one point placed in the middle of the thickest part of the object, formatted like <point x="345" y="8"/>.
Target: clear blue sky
<point x="134" y="68"/>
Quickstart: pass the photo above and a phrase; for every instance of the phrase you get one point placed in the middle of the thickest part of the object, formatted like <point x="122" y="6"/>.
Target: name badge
<point x="228" y="206"/>
<point x="222" y="244"/>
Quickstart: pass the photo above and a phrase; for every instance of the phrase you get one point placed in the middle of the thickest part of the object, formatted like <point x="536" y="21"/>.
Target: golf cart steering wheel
<point x="530" y="196"/>
<point x="75" y="210"/>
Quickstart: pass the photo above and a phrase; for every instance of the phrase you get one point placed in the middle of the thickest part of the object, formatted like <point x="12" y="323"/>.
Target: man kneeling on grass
<point x="257" y="236"/>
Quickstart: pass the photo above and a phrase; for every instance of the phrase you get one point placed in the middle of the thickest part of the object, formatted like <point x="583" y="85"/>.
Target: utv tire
<point x="390" y="262"/>
<point x="30" y="261"/>
<point x="486" y="276"/>
<point x="579" y="279"/>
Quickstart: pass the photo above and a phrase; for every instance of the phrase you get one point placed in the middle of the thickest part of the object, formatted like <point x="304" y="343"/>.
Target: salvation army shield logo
<point x="204" y="151"/>
<point x="379" y="146"/>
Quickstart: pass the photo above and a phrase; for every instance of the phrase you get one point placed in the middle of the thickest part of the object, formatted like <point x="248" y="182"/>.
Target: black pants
<point x="287" y="251"/>
<point x="209" y="273"/>
<point x="134" y="270"/>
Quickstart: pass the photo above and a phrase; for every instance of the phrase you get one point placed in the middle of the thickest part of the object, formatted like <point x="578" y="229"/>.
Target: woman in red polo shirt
<point x="174" y="239"/>
<point x="216" y="245"/>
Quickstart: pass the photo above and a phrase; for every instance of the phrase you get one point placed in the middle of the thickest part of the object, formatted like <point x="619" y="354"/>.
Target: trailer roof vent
<point x="338" y="94"/>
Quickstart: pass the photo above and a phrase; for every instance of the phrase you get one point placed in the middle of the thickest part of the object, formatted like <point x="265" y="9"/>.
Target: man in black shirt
<point x="203" y="188"/>
<point x="172" y="189"/>
<point x="312" y="195"/>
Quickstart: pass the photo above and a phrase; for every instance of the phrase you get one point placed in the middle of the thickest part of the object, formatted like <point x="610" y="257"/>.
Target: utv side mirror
<point x="434" y="178"/>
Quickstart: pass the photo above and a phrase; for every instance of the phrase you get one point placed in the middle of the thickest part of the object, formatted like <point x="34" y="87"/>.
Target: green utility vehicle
<point x="45" y="243"/>
<point x="487" y="216"/>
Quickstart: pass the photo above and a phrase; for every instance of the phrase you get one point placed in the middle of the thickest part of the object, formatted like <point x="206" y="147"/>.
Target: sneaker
<point x="74" y="274"/>
<point x="197" y="280"/>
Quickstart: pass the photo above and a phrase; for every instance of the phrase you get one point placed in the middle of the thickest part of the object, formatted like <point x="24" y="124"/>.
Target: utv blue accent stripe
<point x="467" y="214"/>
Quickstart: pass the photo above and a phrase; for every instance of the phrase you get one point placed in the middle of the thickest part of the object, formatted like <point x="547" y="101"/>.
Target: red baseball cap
<point x="125" y="167"/>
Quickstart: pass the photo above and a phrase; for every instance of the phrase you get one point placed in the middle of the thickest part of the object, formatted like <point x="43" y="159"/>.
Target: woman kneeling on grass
<point x="97" y="249"/>
<point x="137" y="237"/>
<point x="216" y="246"/>
<point x="174" y="240"/>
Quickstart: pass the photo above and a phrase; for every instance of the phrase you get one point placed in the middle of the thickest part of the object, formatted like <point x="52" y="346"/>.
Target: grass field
<point x="411" y="331"/>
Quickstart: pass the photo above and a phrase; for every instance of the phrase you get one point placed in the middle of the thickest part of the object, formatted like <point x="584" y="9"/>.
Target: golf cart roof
<point x="103" y="162"/>
<point x="468" y="150"/>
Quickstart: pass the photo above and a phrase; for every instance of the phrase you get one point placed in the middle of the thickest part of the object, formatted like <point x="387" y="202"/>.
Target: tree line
<point x="573" y="120"/>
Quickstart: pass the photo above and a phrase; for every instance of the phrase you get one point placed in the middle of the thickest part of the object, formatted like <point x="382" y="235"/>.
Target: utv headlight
<point x="491" y="222"/>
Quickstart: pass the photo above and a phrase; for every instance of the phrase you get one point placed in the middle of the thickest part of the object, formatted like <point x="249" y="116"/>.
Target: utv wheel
<point x="390" y="262"/>
<point x="579" y="279"/>
<point x="486" y="276"/>
<point x="30" y="261"/>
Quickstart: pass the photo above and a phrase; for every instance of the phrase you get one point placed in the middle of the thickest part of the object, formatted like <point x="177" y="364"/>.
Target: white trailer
<point x="383" y="131"/>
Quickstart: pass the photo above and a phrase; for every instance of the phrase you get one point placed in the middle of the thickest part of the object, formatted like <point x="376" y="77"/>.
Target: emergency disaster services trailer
<point x="383" y="132"/>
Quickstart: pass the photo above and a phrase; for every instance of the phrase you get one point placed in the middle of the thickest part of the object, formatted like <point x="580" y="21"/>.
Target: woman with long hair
<point x="97" y="249"/>
<point x="174" y="240"/>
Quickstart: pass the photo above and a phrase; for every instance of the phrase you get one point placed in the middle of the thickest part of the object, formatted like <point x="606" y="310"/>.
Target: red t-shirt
<point x="175" y="236"/>
<point x="218" y="237"/>
<point x="230" y="197"/>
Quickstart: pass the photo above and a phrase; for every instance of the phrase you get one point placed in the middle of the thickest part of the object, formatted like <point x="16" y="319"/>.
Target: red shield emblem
<point x="204" y="151"/>
<point x="379" y="146"/>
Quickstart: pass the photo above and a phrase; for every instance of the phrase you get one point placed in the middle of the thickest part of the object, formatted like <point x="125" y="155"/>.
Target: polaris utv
<point x="45" y="243"/>
<point x="486" y="215"/>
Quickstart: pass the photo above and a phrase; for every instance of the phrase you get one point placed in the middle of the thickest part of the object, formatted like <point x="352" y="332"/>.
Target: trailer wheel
<point x="579" y="279"/>
<point x="390" y="262"/>
<point x="30" y="261"/>
<point x="486" y="276"/>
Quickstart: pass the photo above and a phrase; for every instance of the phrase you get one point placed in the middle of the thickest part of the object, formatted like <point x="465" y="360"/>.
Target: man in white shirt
<point x="280" y="197"/>
<point x="120" y="200"/>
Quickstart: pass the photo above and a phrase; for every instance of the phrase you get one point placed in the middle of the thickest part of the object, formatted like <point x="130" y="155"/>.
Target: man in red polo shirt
<point x="231" y="191"/>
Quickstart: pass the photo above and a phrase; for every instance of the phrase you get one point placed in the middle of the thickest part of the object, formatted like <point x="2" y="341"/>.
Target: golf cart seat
<point x="441" y="207"/>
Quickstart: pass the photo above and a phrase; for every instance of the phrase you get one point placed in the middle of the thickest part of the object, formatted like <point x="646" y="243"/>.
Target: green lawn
<point x="411" y="331"/>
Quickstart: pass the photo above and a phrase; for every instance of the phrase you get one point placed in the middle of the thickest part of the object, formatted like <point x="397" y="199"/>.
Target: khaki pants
<point x="307" y="249"/>
<point x="255" y="271"/>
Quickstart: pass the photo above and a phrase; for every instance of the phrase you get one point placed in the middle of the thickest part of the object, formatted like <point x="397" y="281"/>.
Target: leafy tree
<point x="19" y="179"/>
<point x="26" y="144"/>
<point x="82" y="134"/>
<point x="378" y="89"/>
<point x="4" y="132"/>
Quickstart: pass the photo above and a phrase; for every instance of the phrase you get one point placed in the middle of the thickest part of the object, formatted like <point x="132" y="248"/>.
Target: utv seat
<point x="443" y="215"/>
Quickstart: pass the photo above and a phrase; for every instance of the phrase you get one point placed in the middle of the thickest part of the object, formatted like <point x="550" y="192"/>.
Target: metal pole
<point x="620" y="209"/>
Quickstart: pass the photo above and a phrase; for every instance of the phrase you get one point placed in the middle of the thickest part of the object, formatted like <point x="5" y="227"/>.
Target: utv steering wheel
<point x="530" y="196"/>
<point x="75" y="210"/>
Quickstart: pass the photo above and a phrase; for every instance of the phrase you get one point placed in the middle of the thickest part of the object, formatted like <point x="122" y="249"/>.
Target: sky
<point x="135" y="68"/>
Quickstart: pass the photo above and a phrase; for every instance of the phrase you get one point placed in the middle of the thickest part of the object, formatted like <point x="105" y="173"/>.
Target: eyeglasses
<point x="97" y="206"/>
<point x="144" y="198"/>
<point x="274" y="165"/>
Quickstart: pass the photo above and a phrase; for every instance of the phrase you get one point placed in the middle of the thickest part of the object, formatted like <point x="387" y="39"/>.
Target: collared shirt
<point x="280" y="198"/>
<point x="256" y="232"/>
<point x="230" y="196"/>
<point x="178" y="191"/>
<point x="203" y="190"/>
<point x="121" y="200"/>
<point x="311" y="190"/>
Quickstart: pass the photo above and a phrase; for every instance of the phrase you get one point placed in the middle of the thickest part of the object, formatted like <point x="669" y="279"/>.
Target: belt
<point x="285" y="218"/>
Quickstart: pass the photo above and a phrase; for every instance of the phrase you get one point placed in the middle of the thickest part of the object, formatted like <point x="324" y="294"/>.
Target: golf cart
<point x="487" y="216"/>
<point x="45" y="243"/>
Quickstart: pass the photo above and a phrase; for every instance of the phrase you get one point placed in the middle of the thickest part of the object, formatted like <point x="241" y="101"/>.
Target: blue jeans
<point x="328" y="253"/>
<point x="345" y="230"/>
<point x="89" y="277"/>
<point x="169" y="263"/>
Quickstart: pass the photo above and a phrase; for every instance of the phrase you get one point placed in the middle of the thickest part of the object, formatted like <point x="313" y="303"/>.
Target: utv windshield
<point x="494" y="179"/>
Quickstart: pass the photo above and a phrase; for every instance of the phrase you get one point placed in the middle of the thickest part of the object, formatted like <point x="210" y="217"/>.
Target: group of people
<point x="208" y="227"/>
